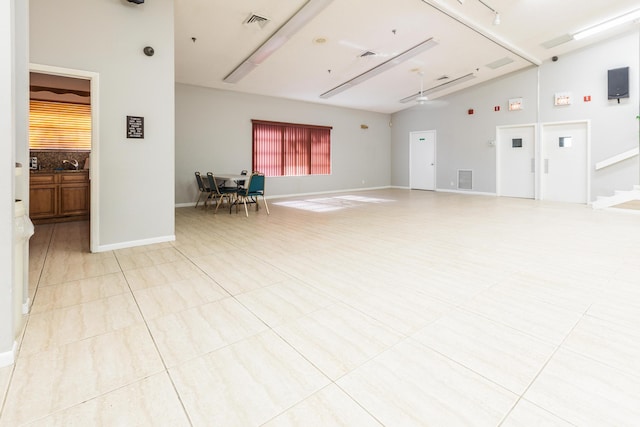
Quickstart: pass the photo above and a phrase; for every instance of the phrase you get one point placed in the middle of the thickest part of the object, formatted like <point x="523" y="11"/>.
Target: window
<point x="285" y="149"/>
<point x="59" y="125"/>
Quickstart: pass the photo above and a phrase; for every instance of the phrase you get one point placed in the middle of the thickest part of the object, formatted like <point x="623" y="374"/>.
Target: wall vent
<point x="465" y="179"/>
<point x="256" y="19"/>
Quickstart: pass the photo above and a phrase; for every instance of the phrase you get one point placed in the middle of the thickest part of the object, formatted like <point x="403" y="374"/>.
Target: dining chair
<point x="220" y="193"/>
<point x="203" y="190"/>
<point x="250" y="194"/>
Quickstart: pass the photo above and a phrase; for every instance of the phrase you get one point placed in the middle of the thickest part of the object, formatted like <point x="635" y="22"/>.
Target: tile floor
<point x="390" y="307"/>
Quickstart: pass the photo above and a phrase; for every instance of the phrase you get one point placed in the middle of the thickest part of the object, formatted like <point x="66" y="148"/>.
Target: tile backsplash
<point x="53" y="159"/>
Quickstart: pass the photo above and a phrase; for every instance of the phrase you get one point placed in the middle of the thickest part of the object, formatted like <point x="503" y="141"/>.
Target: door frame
<point x="587" y="127"/>
<point x="536" y="151"/>
<point x="435" y="163"/>
<point x="94" y="170"/>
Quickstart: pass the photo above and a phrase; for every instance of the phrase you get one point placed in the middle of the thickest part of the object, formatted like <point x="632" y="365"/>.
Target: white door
<point x="516" y="152"/>
<point x="565" y="162"/>
<point x="422" y="169"/>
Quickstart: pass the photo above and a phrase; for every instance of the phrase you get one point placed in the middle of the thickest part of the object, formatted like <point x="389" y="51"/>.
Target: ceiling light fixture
<point x="607" y="25"/>
<point x="496" y="15"/>
<point x="404" y="56"/>
<point x="498" y="41"/>
<point x="310" y="10"/>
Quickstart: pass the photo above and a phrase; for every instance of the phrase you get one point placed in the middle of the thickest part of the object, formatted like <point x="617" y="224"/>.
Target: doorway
<point x="565" y="161"/>
<point x="516" y="152"/>
<point x="422" y="160"/>
<point x="92" y="78"/>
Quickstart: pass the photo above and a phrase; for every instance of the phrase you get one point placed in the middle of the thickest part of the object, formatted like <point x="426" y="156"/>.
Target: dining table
<point x="231" y="177"/>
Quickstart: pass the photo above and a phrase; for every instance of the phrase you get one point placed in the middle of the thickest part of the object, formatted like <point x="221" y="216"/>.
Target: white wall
<point x="614" y="128"/>
<point x="213" y="133"/>
<point x="136" y="176"/>
<point x="462" y="140"/>
<point x="13" y="61"/>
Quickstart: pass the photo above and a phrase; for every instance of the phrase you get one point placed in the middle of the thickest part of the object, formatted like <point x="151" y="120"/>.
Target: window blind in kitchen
<point x="59" y="126"/>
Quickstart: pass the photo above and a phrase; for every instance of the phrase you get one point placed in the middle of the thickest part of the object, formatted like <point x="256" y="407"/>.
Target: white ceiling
<point x="303" y="69"/>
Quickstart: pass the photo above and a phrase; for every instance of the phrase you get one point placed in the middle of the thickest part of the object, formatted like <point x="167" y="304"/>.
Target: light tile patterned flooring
<point x="401" y="308"/>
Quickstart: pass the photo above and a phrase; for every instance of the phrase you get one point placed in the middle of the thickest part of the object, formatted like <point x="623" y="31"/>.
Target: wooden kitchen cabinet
<point x="59" y="196"/>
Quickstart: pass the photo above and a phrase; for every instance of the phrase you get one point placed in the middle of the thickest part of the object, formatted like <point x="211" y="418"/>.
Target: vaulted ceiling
<point x="346" y="39"/>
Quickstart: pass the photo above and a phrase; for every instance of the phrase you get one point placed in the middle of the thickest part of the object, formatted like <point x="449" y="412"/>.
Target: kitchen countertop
<point x="45" y="171"/>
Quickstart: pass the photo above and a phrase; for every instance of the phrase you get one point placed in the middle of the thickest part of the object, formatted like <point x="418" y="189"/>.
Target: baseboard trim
<point x="133" y="243"/>
<point x="7" y="358"/>
<point x="467" y="192"/>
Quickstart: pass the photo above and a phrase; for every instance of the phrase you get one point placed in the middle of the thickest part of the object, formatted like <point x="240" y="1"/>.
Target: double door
<point x="555" y="169"/>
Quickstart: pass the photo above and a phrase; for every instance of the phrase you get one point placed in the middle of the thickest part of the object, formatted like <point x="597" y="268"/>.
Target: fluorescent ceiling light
<point x="398" y="59"/>
<point x="310" y="10"/>
<point x="607" y="25"/>
<point x="443" y="86"/>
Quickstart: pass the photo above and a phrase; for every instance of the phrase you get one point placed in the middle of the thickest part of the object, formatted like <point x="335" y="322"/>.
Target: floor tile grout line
<point x="541" y="370"/>
<point x="331" y="381"/>
<point x="155" y="344"/>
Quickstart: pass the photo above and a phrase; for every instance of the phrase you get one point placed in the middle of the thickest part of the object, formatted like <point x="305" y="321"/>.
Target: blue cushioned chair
<point x="220" y="193"/>
<point x="254" y="189"/>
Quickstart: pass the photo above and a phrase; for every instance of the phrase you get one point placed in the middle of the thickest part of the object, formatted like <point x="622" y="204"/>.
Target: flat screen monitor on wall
<point x="618" y="83"/>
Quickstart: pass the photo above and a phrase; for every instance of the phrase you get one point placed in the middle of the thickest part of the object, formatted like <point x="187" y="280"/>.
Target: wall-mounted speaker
<point x="618" y="83"/>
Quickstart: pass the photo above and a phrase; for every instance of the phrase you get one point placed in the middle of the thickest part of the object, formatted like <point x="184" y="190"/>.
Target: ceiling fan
<point x="422" y="98"/>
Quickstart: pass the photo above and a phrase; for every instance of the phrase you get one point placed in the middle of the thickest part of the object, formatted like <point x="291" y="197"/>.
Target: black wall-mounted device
<point x="618" y="83"/>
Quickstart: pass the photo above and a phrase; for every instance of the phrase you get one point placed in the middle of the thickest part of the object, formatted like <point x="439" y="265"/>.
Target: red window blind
<point x="285" y="149"/>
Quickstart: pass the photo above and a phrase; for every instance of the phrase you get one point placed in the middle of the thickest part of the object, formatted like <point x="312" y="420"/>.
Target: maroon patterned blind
<point x="286" y="149"/>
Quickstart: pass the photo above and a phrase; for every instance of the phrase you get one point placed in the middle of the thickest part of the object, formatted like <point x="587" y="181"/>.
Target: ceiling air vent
<point x="256" y="19"/>
<point x="557" y="41"/>
<point x="500" y="63"/>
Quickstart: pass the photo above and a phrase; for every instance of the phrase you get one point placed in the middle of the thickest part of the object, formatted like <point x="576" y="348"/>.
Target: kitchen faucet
<point x="73" y="163"/>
